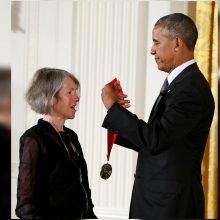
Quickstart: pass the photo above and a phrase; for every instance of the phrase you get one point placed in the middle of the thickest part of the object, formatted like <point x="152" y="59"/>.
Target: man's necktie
<point x="164" y="86"/>
<point x="163" y="92"/>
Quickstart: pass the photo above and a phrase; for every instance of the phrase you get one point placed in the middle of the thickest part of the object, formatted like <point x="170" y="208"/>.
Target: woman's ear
<point x="52" y="102"/>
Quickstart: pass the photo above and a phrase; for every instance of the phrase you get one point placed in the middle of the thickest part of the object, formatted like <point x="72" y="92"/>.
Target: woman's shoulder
<point x="33" y="133"/>
<point x="33" y="139"/>
<point x="30" y="131"/>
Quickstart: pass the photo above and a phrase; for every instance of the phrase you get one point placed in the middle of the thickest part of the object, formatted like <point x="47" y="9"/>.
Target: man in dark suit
<point x="171" y="145"/>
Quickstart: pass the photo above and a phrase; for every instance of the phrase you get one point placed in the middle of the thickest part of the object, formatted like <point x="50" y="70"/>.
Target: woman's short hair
<point x="45" y="85"/>
<point x="180" y="25"/>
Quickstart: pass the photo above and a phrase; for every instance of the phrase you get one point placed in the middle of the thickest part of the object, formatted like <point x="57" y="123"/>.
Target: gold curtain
<point x="206" y="57"/>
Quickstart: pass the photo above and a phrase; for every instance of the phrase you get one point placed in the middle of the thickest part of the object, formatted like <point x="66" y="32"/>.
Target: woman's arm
<point x="29" y="156"/>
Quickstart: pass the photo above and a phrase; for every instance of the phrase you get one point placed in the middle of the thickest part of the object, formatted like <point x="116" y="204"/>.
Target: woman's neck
<point x="56" y="122"/>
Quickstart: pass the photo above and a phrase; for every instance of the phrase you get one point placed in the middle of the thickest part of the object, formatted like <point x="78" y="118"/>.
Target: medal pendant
<point x="106" y="171"/>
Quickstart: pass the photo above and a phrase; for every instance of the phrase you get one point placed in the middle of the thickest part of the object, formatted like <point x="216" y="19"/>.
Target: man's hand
<point x="110" y="95"/>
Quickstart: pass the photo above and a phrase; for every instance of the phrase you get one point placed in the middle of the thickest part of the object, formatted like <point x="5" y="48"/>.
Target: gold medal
<point x="106" y="171"/>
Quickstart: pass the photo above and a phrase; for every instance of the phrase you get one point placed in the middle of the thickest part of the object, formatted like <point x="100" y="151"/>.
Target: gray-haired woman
<point x="52" y="180"/>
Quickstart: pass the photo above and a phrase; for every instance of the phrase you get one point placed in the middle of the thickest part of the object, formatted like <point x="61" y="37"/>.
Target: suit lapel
<point x="153" y="111"/>
<point x="157" y="104"/>
<point x="162" y="98"/>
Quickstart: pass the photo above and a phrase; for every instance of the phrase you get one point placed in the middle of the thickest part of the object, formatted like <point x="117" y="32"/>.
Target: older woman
<point x="52" y="180"/>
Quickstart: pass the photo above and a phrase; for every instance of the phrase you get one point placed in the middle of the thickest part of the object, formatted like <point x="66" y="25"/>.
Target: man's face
<point x="163" y="49"/>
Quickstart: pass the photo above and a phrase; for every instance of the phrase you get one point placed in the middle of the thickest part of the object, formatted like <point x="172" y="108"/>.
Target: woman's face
<point x="64" y="105"/>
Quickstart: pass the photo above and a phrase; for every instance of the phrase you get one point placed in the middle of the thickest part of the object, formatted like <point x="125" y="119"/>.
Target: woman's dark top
<point x="52" y="180"/>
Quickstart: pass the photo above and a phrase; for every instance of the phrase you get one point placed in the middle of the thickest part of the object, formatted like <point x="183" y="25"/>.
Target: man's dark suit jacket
<point x="171" y="147"/>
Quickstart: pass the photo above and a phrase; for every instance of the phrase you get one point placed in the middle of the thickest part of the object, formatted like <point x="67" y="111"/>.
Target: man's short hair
<point x="182" y="26"/>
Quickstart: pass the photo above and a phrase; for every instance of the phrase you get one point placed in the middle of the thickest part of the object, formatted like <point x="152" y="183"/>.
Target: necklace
<point x="55" y="127"/>
<point x="71" y="144"/>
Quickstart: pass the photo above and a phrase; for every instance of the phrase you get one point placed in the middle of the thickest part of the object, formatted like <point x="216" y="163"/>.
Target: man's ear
<point x="179" y="43"/>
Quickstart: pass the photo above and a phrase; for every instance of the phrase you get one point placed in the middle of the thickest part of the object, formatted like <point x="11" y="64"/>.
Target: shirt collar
<point x="178" y="70"/>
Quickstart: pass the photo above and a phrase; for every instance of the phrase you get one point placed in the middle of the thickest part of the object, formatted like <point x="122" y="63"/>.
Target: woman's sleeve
<point x="29" y="156"/>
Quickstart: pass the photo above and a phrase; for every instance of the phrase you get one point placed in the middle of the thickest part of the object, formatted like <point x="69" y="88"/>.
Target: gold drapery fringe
<point x="206" y="55"/>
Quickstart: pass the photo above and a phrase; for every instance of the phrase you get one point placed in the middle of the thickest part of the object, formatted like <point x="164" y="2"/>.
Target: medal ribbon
<point x="111" y="136"/>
